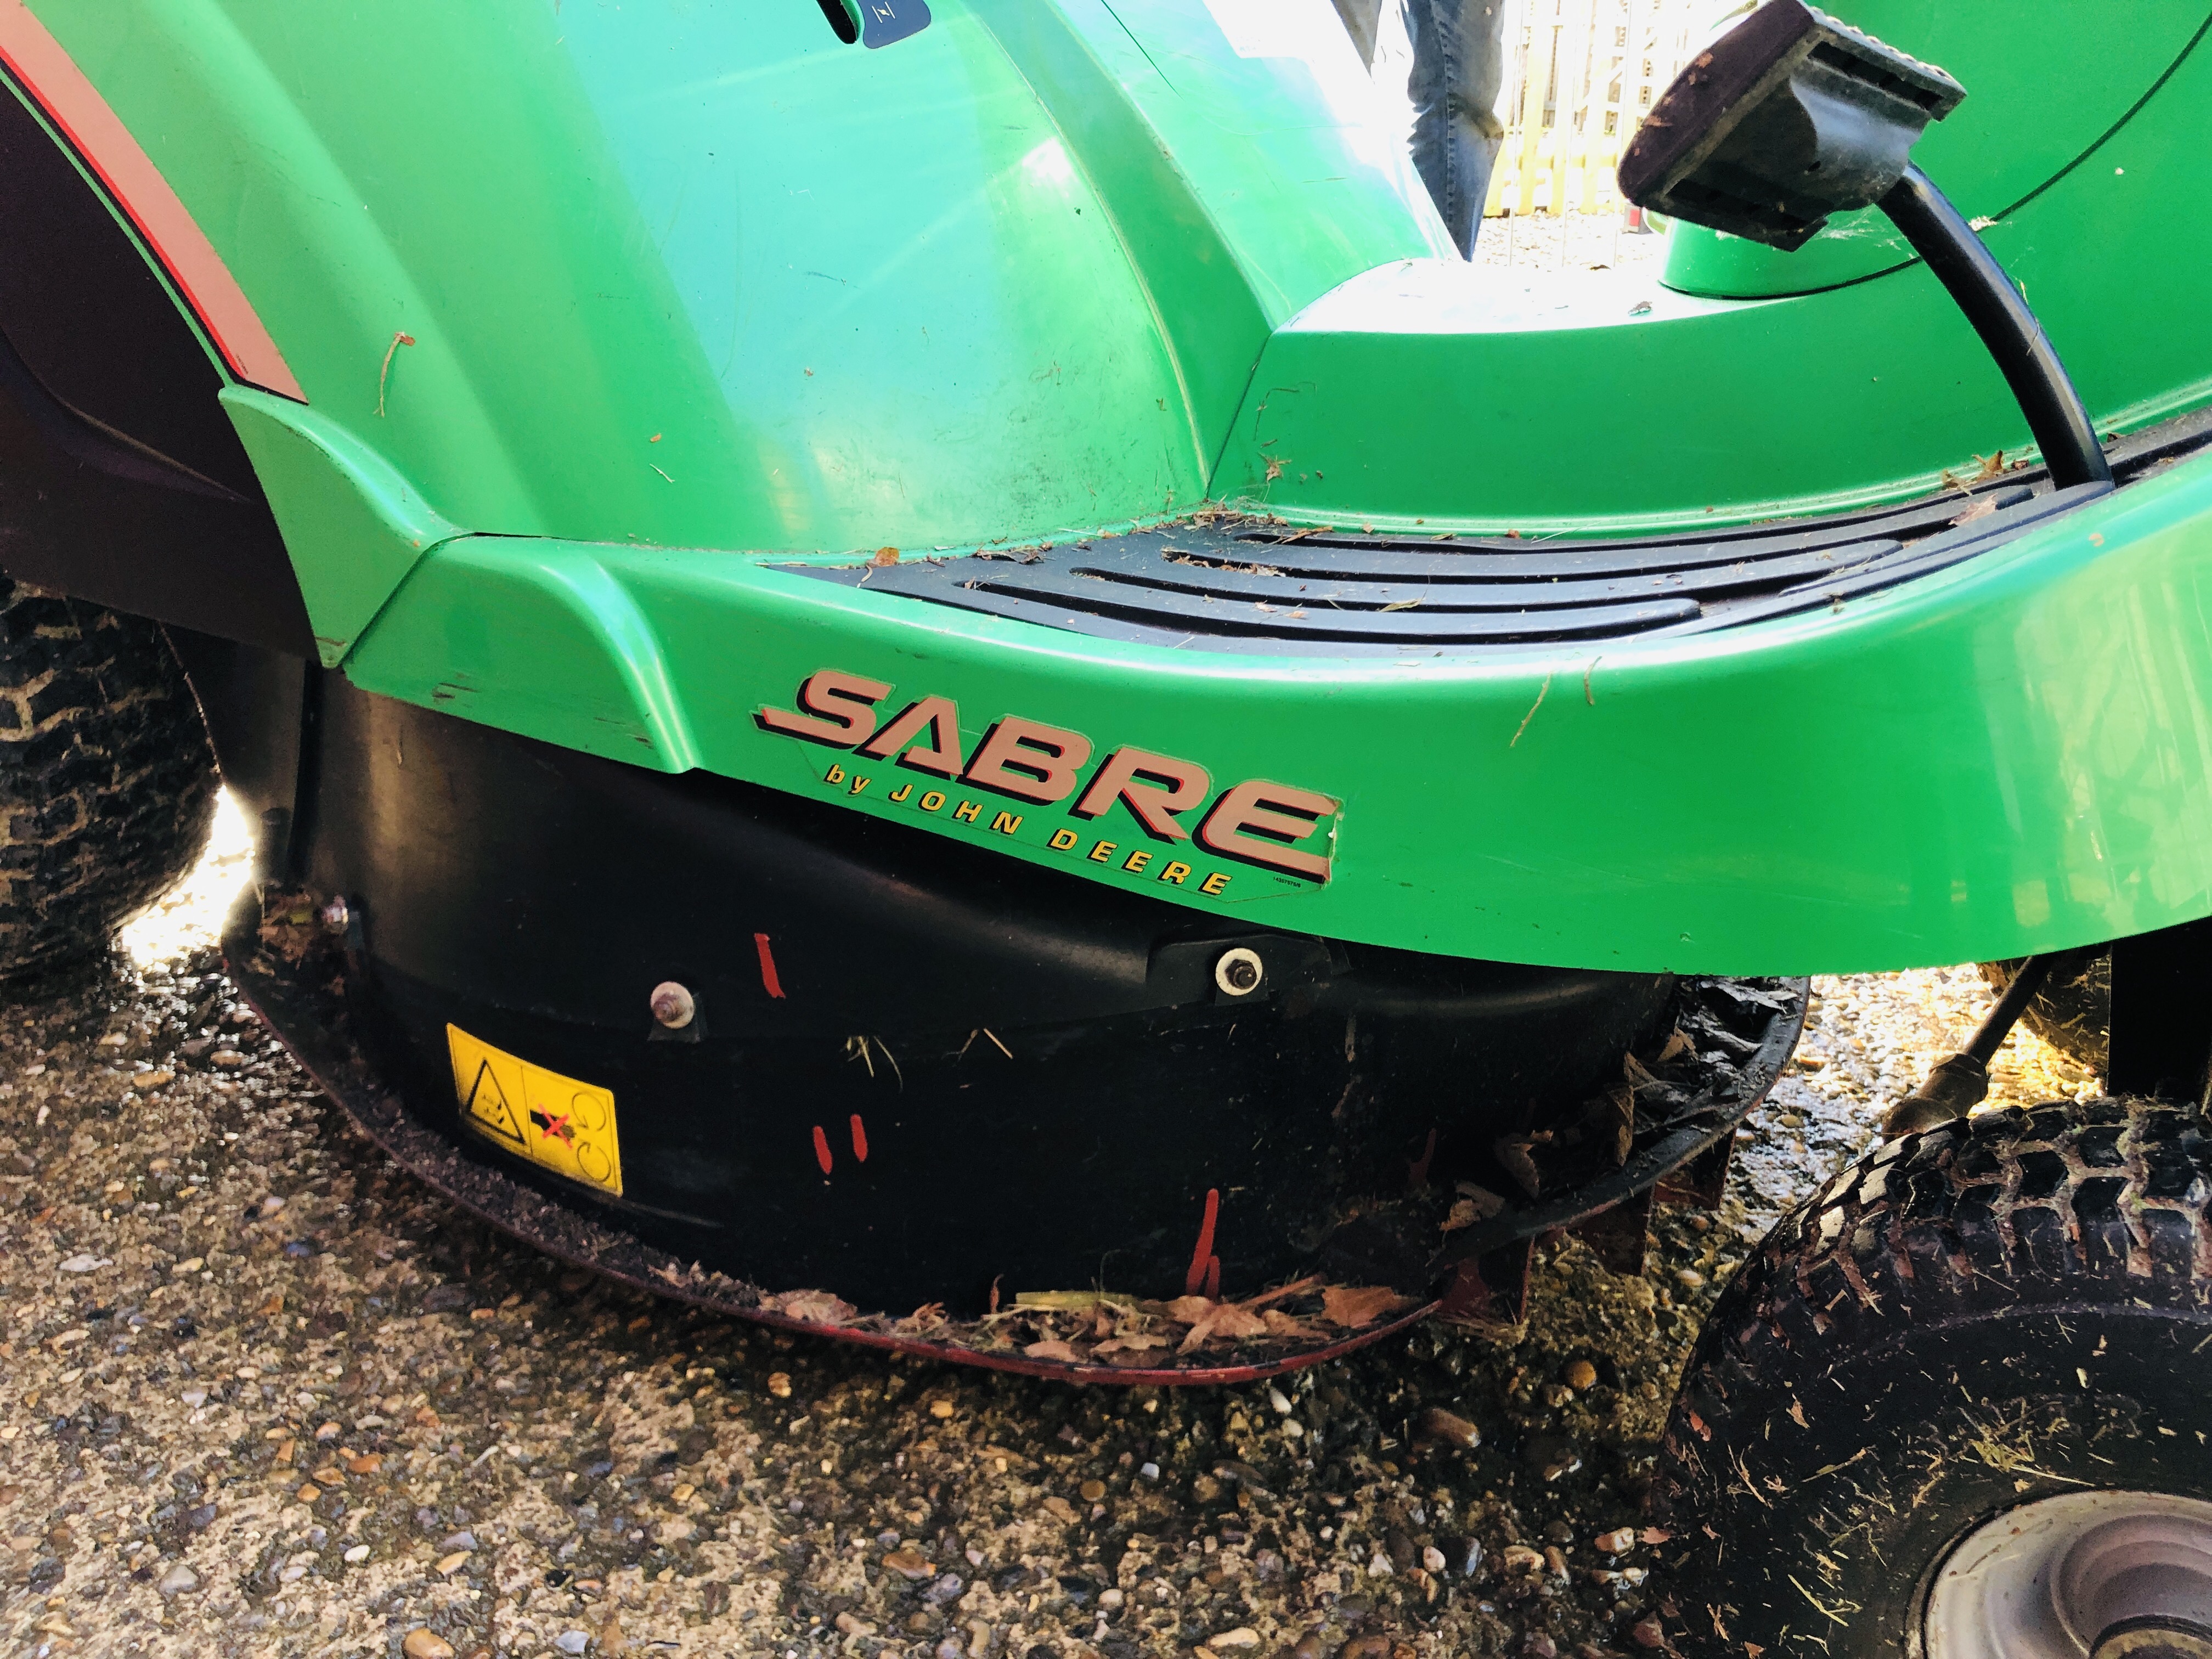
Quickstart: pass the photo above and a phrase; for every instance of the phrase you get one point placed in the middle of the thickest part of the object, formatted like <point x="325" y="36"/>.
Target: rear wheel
<point x="107" y="785"/>
<point x="1952" y="1409"/>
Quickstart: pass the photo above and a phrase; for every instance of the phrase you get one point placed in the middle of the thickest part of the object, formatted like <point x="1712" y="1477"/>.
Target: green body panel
<point x="331" y="492"/>
<point x="1465" y="394"/>
<point x="2079" y="80"/>
<point x="693" y="289"/>
<point x="2013" y="755"/>
<point x="702" y="275"/>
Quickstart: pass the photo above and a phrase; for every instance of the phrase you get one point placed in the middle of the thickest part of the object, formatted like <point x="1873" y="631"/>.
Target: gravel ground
<point x="1573" y="241"/>
<point x="260" y="1393"/>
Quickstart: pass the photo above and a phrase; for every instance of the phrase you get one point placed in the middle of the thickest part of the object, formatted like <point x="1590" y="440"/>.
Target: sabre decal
<point x="1274" y="826"/>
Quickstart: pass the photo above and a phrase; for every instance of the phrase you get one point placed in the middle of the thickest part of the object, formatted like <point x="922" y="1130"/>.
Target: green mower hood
<point x="564" y="336"/>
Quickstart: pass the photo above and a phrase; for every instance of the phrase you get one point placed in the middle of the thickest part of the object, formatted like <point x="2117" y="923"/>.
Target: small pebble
<point x="909" y="1564"/>
<point x="1618" y="1542"/>
<point x="1582" y="1375"/>
<point x="572" y="1642"/>
<point x="1432" y="1559"/>
<point x="1092" y="1491"/>
<point x="1519" y="1557"/>
<point x="178" y="1579"/>
<point x="423" y="1642"/>
<point x="356" y="1555"/>
<point x="940" y="1409"/>
<point x="1689" y="1278"/>
<point x="1648" y="1633"/>
<point x="779" y="1384"/>
<point x="1436" y="1424"/>
<point x="1234" y="1640"/>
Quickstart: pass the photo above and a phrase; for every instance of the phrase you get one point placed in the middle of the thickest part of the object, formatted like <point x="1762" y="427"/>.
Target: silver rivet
<point x="335" y="916"/>
<point x="1239" y="972"/>
<point x="672" y="1004"/>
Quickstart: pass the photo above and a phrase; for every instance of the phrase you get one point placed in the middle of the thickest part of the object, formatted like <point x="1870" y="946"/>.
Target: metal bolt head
<point x="335" y="915"/>
<point x="1239" y="972"/>
<point x="672" y="1004"/>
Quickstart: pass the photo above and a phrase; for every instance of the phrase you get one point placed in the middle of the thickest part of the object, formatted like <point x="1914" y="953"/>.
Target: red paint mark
<point x="555" y="1127"/>
<point x="1213" y="1279"/>
<point x="1417" y="1172"/>
<point x="1194" y="1281"/>
<point x="859" y="1139"/>
<point x="821" y="1149"/>
<point x="768" y="980"/>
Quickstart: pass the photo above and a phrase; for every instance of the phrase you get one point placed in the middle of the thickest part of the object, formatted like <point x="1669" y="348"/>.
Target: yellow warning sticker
<point x="567" y="1126"/>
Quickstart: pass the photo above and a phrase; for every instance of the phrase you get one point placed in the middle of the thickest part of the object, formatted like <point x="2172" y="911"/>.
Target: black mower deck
<point x="1455" y="1248"/>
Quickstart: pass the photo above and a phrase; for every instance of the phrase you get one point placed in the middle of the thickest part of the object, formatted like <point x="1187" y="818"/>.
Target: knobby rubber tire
<point x="1966" y="1319"/>
<point x="107" y="785"/>
<point x="2073" y="1015"/>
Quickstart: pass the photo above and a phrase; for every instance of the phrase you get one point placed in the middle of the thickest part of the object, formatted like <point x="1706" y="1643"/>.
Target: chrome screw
<point x="672" y="1004"/>
<point x="1239" y="972"/>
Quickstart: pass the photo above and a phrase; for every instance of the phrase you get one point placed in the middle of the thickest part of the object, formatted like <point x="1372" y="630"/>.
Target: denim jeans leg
<point x="1458" y="68"/>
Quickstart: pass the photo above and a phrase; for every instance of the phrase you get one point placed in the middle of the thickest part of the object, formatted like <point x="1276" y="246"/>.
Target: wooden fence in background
<point x="1580" y="75"/>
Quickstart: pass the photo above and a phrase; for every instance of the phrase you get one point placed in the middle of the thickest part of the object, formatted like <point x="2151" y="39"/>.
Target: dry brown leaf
<point x="1230" y="1320"/>
<point x="1462" y="1215"/>
<point x="1053" y="1351"/>
<point x="817" y="1307"/>
<point x="1678" y="1043"/>
<point x="1281" y="1324"/>
<point x="1353" y="1307"/>
<point x="1513" y="1154"/>
<point x="1190" y="1310"/>
<point x="1486" y="1203"/>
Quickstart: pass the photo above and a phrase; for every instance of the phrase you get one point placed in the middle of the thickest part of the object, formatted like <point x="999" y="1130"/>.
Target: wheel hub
<point x="2112" y="1575"/>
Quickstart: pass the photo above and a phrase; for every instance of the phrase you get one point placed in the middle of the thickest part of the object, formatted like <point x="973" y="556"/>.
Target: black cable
<point x="2027" y="978"/>
<point x="1960" y="1082"/>
<point x="2023" y="352"/>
